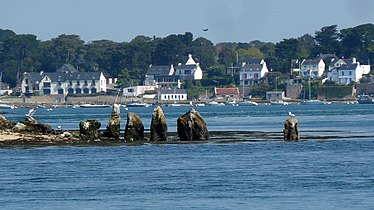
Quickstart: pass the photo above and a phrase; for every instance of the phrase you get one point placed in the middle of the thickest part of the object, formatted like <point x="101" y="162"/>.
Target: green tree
<point x="203" y="49"/>
<point x="327" y="40"/>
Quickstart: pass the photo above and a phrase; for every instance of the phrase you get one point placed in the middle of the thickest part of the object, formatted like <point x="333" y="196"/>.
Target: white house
<point x="190" y="70"/>
<point x="66" y="80"/>
<point x="346" y="74"/>
<point x="312" y="68"/>
<point x="162" y="76"/>
<point x="137" y="90"/>
<point x="172" y="95"/>
<point x="250" y="74"/>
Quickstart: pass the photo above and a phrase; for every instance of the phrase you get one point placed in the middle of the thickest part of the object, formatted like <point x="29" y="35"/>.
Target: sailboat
<point x="311" y="101"/>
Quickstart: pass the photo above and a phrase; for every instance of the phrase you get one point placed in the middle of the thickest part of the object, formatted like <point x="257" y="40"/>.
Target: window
<point x="70" y="91"/>
<point x="85" y="82"/>
<point x="27" y="81"/>
<point x="70" y="82"/>
<point x="342" y="73"/>
<point x="47" y="84"/>
<point x="86" y="90"/>
<point x="46" y="91"/>
<point x="93" y="82"/>
<point x="78" y="91"/>
<point x="350" y="73"/>
<point x="60" y="91"/>
<point x="93" y="90"/>
<point x="130" y="90"/>
<point x="78" y="82"/>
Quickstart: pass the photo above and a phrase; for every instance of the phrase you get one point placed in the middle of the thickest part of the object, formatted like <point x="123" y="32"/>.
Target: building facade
<point x="312" y="68"/>
<point x="65" y="80"/>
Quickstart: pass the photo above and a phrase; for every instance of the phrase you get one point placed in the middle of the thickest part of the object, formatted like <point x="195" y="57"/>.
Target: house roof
<point x="173" y="91"/>
<point x="311" y="62"/>
<point x="252" y="67"/>
<point x="190" y="60"/>
<point x="60" y="76"/>
<point x="226" y="91"/>
<point x="67" y="68"/>
<point x="348" y="67"/>
<point x="248" y="61"/>
<point x="188" y="67"/>
<point x="160" y="70"/>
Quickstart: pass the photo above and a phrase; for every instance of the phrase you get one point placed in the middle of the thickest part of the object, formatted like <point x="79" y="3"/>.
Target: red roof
<point x="226" y="91"/>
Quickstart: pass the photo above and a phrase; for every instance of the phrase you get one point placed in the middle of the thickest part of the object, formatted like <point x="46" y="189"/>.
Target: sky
<point x="226" y="20"/>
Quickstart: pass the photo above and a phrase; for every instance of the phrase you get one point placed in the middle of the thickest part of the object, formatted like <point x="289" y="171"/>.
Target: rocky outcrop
<point x="291" y="131"/>
<point x="89" y="130"/>
<point x="134" y="130"/>
<point x="31" y="125"/>
<point x="6" y="124"/>
<point x="192" y="127"/>
<point x="113" y="127"/>
<point x="159" y="127"/>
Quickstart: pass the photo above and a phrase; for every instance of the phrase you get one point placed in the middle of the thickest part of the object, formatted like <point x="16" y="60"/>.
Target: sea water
<point x="337" y="173"/>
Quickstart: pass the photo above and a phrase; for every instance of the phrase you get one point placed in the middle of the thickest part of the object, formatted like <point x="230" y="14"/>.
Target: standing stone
<point x="192" y="127"/>
<point x="89" y="130"/>
<point x="113" y="127"/>
<point x="290" y="131"/>
<point x="134" y="130"/>
<point x="159" y="127"/>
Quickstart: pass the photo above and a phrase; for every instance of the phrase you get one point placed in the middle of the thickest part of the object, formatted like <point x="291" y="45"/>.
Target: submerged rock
<point x="291" y="131"/>
<point x="192" y="127"/>
<point x="113" y="127"/>
<point x="159" y="127"/>
<point x="134" y="130"/>
<point x="89" y="130"/>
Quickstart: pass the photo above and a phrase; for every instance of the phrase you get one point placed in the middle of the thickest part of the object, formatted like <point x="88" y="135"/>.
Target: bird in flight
<point x="205" y="29"/>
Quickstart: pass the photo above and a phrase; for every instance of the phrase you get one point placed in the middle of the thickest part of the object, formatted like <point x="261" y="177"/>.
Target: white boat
<point x="215" y="103"/>
<point x="365" y="99"/>
<point x="7" y="106"/>
<point x="278" y="102"/>
<point x="200" y="104"/>
<point x="247" y="103"/>
<point x="138" y="105"/>
<point x="312" y="102"/>
<point x="231" y="103"/>
<point x="94" y="105"/>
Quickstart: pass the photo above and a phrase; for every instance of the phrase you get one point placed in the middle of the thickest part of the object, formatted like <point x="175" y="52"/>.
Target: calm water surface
<point x="312" y="174"/>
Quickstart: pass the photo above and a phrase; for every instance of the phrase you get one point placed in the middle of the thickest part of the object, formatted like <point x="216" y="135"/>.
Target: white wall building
<point x="63" y="82"/>
<point x="172" y="95"/>
<point x="137" y="90"/>
<point x="250" y="74"/>
<point x="312" y="68"/>
<point x="346" y="74"/>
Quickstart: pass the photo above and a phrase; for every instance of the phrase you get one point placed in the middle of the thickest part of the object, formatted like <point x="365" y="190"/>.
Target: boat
<point x="247" y="103"/>
<point x="94" y="105"/>
<point x="278" y="102"/>
<point x="365" y="99"/>
<point x="313" y="102"/>
<point x="232" y="103"/>
<point x="215" y="103"/>
<point x="136" y="104"/>
<point x="7" y="106"/>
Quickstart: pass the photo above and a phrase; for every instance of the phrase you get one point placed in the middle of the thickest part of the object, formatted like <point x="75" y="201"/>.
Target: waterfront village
<point x="309" y="82"/>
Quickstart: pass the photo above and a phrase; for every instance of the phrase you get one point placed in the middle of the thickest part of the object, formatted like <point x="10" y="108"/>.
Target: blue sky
<point x="227" y="20"/>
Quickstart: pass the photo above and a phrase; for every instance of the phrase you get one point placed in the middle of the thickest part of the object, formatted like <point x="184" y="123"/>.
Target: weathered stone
<point x="192" y="127"/>
<point x="5" y="124"/>
<point x="31" y="125"/>
<point x="89" y="130"/>
<point x="159" y="127"/>
<point x="134" y="130"/>
<point x="290" y="131"/>
<point x="113" y="127"/>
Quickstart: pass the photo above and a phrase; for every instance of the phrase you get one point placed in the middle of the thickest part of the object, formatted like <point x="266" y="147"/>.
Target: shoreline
<point x="15" y="140"/>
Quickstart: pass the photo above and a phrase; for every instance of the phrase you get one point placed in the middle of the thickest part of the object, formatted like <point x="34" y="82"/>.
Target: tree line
<point x="129" y="61"/>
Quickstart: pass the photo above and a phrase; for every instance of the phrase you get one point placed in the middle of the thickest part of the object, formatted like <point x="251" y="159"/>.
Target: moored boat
<point x="94" y="105"/>
<point x="278" y="102"/>
<point x="138" y="105"/>
<point x="248" y="103"/>
<point x="365" y="99"/>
